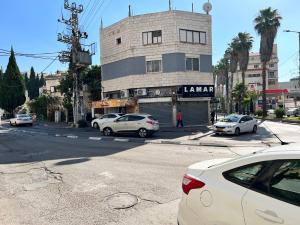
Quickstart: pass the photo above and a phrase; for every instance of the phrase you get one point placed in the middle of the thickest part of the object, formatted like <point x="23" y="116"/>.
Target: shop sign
<point x="194" y="91"/>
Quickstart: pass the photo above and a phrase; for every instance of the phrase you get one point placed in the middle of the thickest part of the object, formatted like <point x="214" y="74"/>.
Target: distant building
<point x="158" y="63"/>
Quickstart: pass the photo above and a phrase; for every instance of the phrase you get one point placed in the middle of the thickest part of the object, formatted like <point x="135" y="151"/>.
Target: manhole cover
<point x="122" y="201"/>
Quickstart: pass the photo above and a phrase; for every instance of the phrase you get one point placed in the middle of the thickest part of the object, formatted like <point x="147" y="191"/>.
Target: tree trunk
<point x="264" y="96"/>
<point x="227" y="93"/>
<point x="231" y="98"/>
<point x="242" y="108"/>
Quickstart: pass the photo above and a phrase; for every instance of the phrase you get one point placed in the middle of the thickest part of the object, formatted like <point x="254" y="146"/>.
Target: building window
<point x="193" y="37"/>
<point x="254" y="75"/>
<point x="256" y="66"/>
<point x="152" y="37"/>
<point x="153" y="66"/>
<point x="272" y="75"/>
<point x="272" y="82"/>
<point x="119" y="41"/>
<point x="271" y="65"/>
<point x="192" y="64"/>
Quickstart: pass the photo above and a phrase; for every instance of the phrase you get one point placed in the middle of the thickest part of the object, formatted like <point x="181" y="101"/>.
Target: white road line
<point x="95" y="138"/>
<point x="121" y="140"/>
<point x="57" y="135"/>
<point x="72" y="137"/>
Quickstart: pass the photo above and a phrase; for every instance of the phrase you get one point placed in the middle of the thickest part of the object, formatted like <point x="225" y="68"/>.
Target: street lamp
<point x="298" y="32"/>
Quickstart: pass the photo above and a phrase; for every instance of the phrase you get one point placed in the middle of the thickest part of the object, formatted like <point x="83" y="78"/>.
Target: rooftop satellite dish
<point x="207" y="7"/>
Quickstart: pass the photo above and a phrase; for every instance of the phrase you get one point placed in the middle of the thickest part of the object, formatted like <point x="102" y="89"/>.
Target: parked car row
<point x="144" y="125"/>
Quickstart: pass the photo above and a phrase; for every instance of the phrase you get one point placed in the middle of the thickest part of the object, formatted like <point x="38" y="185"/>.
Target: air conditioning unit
<point x="124" y="93"/>
<point x="141" y="92"/>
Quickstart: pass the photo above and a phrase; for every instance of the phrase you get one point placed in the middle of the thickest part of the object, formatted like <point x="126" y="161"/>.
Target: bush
<point x="82" y="124"/>
<point x="279" y="113"/>
<point x="259" y="113"/>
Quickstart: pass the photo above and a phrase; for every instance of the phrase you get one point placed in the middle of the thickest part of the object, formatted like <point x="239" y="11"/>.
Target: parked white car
<point x="292" y="112"/>
<point x="258" y="189"/>
<point x="142" y="124"/>
<point x="236" y="124"/>
<point x="97" y="123"/>
<point x="21" y="119"/>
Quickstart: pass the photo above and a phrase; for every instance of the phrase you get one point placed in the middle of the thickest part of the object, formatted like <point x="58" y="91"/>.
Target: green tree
<point x="42" y="81"/>
<point x="92" y="78"/>
<point x="233" y="65"/>
<point x="26" y="81"/>
<point x="12" y="90"/>
<point x="266" y="25"/>
<point x="33" y="85"/>
<point x="66" y="89"/>
<point x="238" y="94"/>
<point x="243" y="43"/>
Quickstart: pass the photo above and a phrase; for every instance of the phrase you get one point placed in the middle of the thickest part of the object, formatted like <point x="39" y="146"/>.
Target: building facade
<point x="158" y="63"/>
<point x="253" y="76"/>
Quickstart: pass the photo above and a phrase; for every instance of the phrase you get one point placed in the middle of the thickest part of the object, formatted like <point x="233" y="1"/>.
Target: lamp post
<point x="297" y="32"/>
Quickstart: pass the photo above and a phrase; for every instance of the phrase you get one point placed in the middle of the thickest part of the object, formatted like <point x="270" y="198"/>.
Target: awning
<point x="277" y="91"/>
<point x="113" y="103"/>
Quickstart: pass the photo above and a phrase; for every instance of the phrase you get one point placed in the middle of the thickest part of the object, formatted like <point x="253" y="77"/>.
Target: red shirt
<point x="179" y="116"/>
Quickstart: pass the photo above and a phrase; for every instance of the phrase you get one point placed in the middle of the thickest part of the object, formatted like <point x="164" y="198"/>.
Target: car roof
<point x="290" y="148"/>
<point x="137" y="114"/>
<point x="236" y="115"/>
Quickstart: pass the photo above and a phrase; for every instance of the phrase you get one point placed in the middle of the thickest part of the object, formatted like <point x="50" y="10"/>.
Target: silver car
<point x="21" y="119"/>
<point x="236" y="124"/>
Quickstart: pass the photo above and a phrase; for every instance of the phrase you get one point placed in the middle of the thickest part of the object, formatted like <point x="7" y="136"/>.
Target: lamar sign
<point x="193" y="91"/>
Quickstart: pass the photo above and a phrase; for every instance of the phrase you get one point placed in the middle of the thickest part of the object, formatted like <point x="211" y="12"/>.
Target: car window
<point x="231" y="119"/>
<point x="243" y="119"/>
<point x="123" y="119"/>
<point x="249" y="118"/>
<point x="104" y="117"/>
<point x="111" y="116"/>
<point x="245" y="175"/>
<point x="285" y="183"/>
<point x="136" y="118"/>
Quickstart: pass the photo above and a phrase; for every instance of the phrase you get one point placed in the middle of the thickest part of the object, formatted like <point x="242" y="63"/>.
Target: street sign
<point x="194" y="91"/>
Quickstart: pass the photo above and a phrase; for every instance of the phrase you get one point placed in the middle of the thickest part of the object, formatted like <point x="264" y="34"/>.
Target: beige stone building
<point x="158" y="63"/>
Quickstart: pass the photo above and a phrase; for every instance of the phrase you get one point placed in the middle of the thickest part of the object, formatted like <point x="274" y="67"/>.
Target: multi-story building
<point x="253" y="76"/>
<point x="158" y="63"/>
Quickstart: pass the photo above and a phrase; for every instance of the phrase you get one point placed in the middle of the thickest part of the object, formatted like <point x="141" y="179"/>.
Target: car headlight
<point x="231" y="126"/>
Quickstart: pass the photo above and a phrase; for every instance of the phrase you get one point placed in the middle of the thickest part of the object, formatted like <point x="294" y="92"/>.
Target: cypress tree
<point x="12" y="91"/>
<point x="42" y="81"/>
<point x="33" y="85"/>
<point x="26" y="81"/>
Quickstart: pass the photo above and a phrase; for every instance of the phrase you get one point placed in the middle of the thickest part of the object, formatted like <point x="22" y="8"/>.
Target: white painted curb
<point x="72" y="137"/>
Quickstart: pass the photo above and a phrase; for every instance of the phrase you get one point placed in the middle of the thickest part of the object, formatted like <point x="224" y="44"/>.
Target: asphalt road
<point x="54" y="180"/>
<point x="47" y="179"/>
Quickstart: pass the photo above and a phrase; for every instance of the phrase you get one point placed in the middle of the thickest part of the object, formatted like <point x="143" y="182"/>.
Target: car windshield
<point x="230" y="119"/>
<point x="23" y="115"/>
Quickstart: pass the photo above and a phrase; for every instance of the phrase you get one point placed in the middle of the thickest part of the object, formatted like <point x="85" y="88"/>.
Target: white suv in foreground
<point x="142" y="124"/>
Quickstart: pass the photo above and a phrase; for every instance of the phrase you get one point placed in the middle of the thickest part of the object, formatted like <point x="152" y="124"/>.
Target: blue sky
<point x="30" y="26"/>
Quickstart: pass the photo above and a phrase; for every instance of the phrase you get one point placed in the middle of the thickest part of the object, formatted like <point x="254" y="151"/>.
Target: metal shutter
<point x="162" y="111"/>
<point x="194" y="113"/>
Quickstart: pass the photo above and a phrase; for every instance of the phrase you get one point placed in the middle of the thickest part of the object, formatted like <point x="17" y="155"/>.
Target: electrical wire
<point x="90" y="17"/>
<point x="103" y="9"/>
<point x="49" y="64"/>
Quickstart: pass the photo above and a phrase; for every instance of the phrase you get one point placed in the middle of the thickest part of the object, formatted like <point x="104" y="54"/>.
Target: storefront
<point x="113" y="106"/>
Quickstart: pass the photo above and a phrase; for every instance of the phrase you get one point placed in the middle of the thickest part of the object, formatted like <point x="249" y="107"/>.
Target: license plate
<point x="220" y="129"/>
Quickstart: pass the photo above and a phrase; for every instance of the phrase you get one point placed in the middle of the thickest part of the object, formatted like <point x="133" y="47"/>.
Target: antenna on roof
<point x="170" y="5"/>
<point x="192" y="7"/>
<point x="101" y="26"/>
<point x="129" y="10"/>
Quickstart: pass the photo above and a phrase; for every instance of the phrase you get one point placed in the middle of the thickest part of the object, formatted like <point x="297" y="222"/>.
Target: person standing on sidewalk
<point x="179" y="119"/>
<point x="212" y="117"/>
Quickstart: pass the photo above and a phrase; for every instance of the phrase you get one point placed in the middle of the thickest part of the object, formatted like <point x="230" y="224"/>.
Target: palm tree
<point x="266" y="25"/>
<point x="232" y="67"/>
<point x="243" y="43"/>
<point x="238" y="93"/>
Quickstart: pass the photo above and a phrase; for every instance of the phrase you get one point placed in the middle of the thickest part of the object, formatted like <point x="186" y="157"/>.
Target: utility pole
<point x="77" y="56"/>
<point x="297" y="32"/>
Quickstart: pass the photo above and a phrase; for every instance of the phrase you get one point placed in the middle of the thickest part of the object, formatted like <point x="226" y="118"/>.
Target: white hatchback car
<point x="142" y="124"/>
<point x="97" y="123"/>
<point x="258" y="189"/>
<point x="236" y="124"/>
<point x="21" y="119"/>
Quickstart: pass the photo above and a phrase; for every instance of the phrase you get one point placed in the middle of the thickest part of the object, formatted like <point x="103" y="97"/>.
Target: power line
<point x="93" y="13"/>
<point x="49" y="64"/>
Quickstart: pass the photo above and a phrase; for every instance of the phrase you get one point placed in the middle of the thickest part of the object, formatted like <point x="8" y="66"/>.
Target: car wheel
<point x="30" y="124"/>
<point x="254" y="131"/>
<point x="107" y="131"/>
<point x="237" y="131"/>
<point x="143" y="133"/>
<point x="95" y="125"/>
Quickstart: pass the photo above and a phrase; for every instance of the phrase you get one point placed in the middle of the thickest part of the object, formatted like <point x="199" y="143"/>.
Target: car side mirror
<point x="242" y="121"/>
<point x="116" y="120"/>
